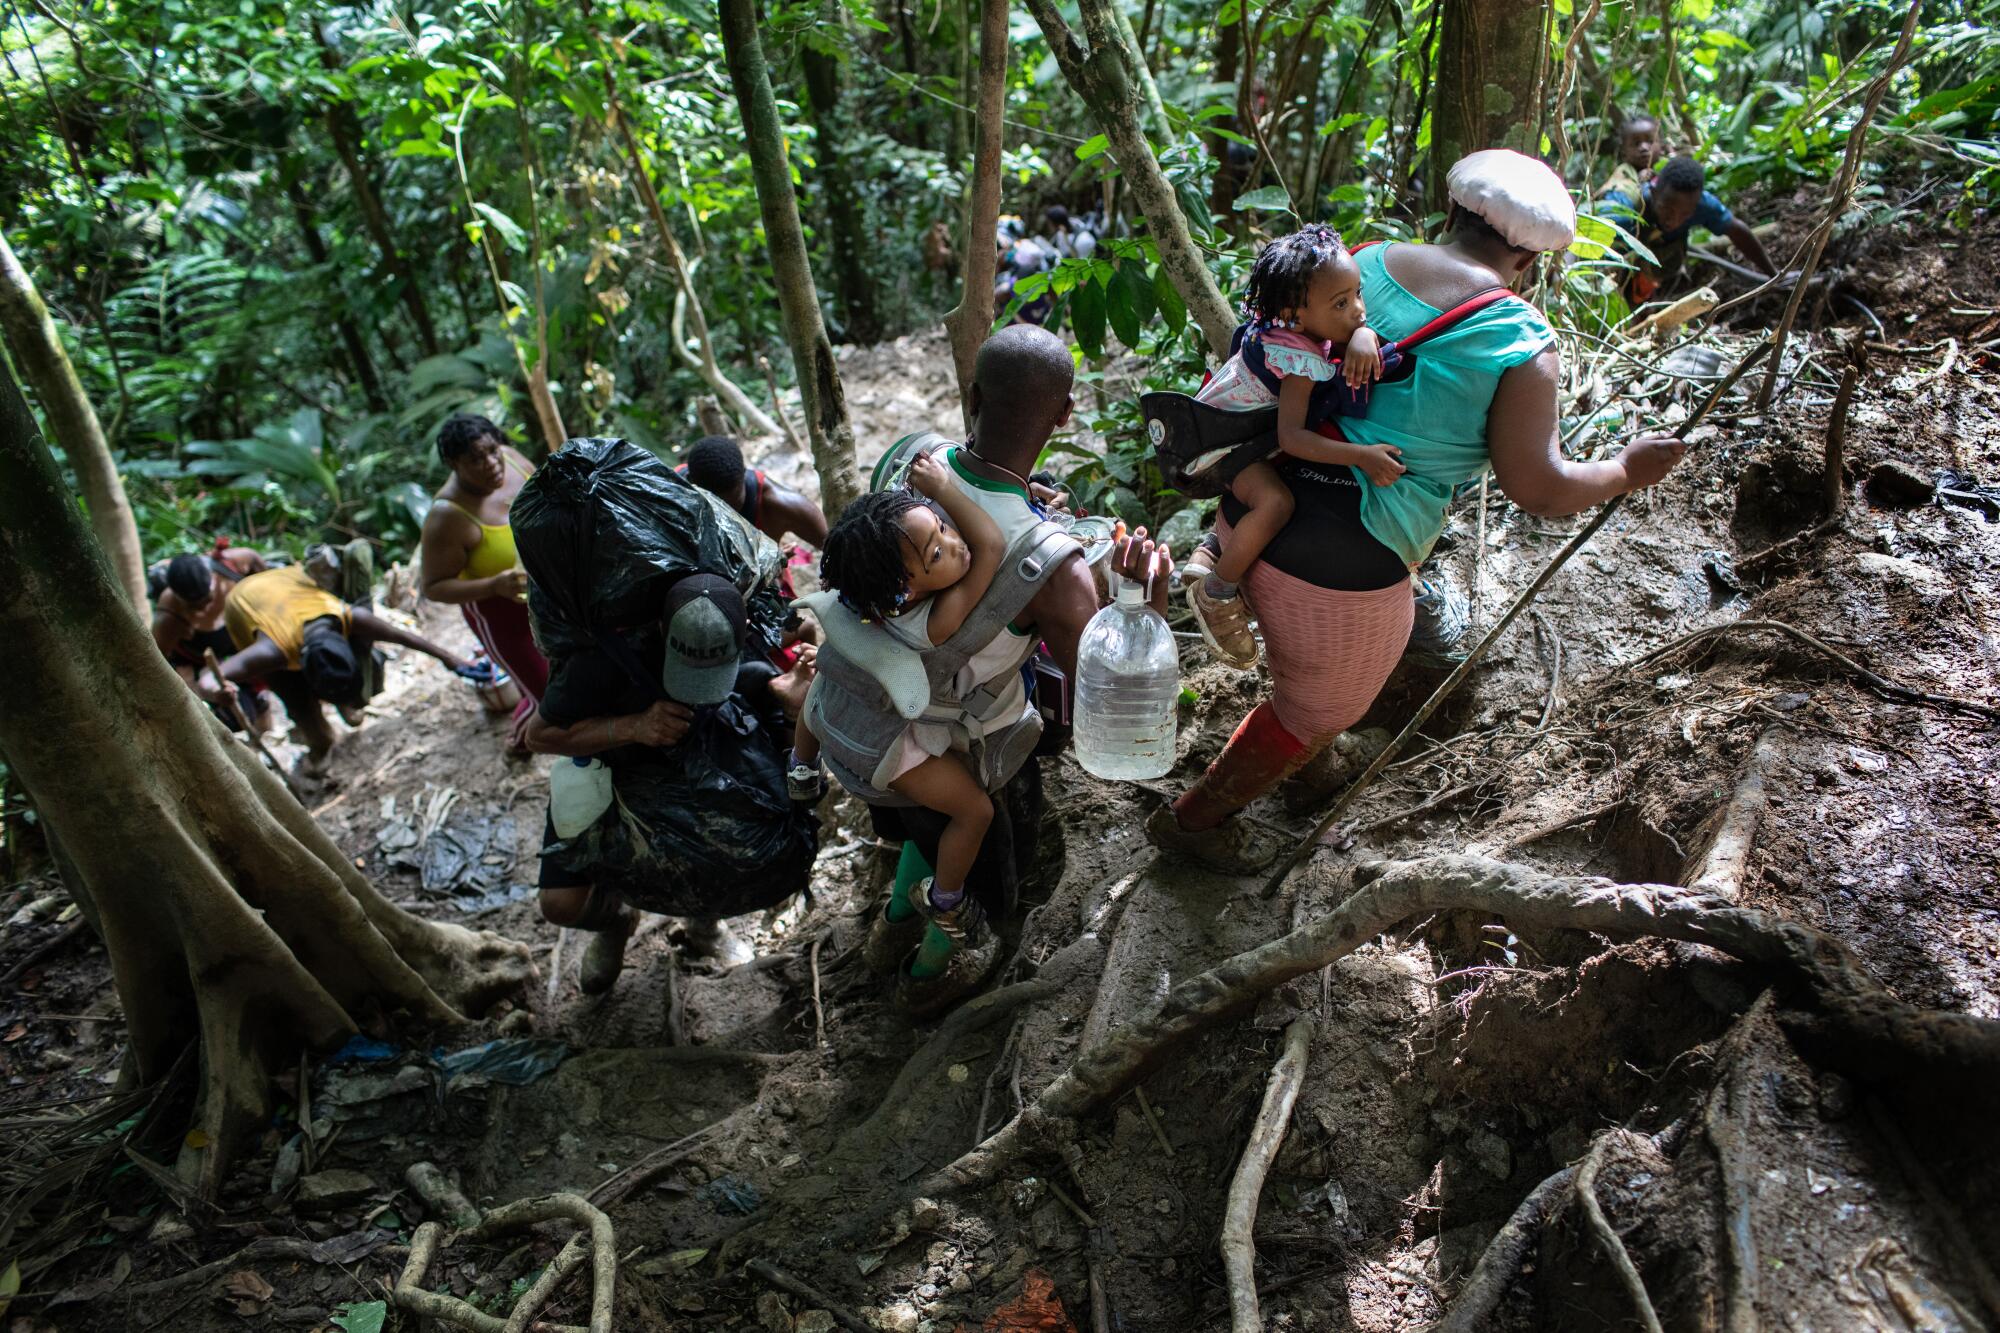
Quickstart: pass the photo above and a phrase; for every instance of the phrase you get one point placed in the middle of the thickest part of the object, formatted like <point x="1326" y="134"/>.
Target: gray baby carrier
<point x="869" y="687"/>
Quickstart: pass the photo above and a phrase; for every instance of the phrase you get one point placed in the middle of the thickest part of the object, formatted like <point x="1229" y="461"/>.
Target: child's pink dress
<point x="1286" y="352"/>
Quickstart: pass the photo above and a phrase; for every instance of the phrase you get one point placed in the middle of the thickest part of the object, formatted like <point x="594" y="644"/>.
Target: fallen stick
<point x="1586" y="817"/>
<point x="812" y="1295"/>
<point x="643" y="1170"/>
<point x="1607" y="1239"/>
<point x="1239" y="1219"/>
<point x="264" y="1247"/>
<point x="1790" y="545"/>
<point x="1464" y="669"/>
<point x="1836" y="428"/>
<point x="1853" y="1022"/>
<point x="1153" y="1119"/>
<point x="1692" y="306"/>
<point x="819" y="1013"/>
<point x="249" y="730"/>
<point x="1880" y="684"/>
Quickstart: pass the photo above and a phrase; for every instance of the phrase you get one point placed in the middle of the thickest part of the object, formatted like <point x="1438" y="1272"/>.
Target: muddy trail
<point x="1655" y="1109"/>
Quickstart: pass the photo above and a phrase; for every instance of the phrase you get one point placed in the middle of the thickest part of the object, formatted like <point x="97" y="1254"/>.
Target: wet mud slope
<point x="1533" y="1096"/>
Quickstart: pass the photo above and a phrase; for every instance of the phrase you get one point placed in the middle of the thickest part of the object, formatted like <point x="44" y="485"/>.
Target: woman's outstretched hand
<point x="1649" y="458"/>
<point x="1150" y="563"/>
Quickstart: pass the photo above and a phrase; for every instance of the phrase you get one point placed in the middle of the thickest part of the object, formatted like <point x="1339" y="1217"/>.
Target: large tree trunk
<point x="350" y="334"/>
<point x="1106" y="77"/>
<point x="825" y="401"/>
<point x="843" y="202"/>
<point x="38" y="352"/>
<point x="968" y="322"/>
<point x="229" y="915"/>
<point x="1492" y="63"/>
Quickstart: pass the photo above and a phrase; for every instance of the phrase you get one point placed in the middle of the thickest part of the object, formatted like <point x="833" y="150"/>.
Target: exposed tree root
<point x="1239" y="1246"/>
<point x="1720" y="869"/>
<point x="792" y="1286"/>
<point x="444" y="1198"/>
<point x="1614" y="1248"/>
<point x="1877" y="1035"/>
<point x="1501" y="1262"/>
<point x="597" y="1238"/>
<point x="1880" y="684"/>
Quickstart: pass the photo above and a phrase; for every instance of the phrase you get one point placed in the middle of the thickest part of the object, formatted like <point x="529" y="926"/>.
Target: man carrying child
<point x="970" y="685"/>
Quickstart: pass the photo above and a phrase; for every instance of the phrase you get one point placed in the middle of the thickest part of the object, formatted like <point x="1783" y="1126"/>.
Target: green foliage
<point x="360" y="1316"/>
<point x="201" y="206"/>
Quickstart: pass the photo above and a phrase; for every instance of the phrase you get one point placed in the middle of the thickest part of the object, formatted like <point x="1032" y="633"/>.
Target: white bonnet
<point x="1523" y="199"/>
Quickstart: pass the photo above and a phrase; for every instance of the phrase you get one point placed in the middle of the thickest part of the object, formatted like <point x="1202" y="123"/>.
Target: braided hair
<point x="1283" y="273"/>
<point x="862" y="559"/>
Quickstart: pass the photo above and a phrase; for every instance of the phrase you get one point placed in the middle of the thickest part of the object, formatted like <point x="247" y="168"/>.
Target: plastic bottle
<point x="580" y="791"/>
<point x="1128" y="685"/>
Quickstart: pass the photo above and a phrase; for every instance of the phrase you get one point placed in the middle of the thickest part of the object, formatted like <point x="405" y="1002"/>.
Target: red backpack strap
<point x="1459" y="313"/>
<point x="1357" y="249"/>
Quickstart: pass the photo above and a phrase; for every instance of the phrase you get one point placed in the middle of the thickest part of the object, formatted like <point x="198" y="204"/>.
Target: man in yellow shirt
<point x="308" y="646"/>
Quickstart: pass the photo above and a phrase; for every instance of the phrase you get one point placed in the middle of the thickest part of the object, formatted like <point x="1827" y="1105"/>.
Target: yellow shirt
<point x="495" y="553"/>
<point x="278" y="603"/>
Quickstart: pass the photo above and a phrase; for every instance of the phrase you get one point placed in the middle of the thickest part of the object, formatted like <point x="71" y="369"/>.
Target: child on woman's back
<point x="917" y="560"/>
<point x="1306" y="326"/>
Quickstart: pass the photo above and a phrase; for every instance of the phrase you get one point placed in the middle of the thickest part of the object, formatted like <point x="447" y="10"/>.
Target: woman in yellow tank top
<point x="468" y="550"/>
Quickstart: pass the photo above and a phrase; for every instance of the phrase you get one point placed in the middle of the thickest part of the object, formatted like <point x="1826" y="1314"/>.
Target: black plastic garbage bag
<point x="703" y="829"/>
<point x="605" y="528"/>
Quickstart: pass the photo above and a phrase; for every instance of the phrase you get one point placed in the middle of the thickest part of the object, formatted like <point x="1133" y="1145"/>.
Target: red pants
<point x="501" y="624"/>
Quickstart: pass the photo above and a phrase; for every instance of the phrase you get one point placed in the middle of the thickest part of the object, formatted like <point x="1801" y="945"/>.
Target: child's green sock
<point x="933" y="955"/>
<point x="911" y="870"/>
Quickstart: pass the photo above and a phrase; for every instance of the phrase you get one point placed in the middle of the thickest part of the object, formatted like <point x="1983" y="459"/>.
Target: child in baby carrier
<point x="1304" y="342"/>
<point x="917" y="560"/>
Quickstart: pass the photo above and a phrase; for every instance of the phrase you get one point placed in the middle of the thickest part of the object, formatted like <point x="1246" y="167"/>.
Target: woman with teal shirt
<point x="1437" y="416"/>
<point x="1332" y="591"/>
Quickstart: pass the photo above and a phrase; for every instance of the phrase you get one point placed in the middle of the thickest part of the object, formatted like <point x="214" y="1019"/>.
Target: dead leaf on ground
<point x="1037" y="1310"/>
<point x="250" y="1292"/>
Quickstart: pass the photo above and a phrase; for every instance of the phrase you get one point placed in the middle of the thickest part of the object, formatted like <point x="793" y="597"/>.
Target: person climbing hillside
<point x="913" y="563"/>
<point x="715" y="463"/>
<point x="190" y="593"/>
<point x="468" y="552"/>
<point x="307" y="645"/>
<point x="658" y="611"/>
<point x="685" y="695"/>
<point x="1639" y="151"/>
<point x="1663" y="211"/>
<point x="1333" y="591"/>
<point x="1044" y="592"/>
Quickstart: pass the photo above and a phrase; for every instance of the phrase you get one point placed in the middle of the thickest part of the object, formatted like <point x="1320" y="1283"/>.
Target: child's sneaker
<point x="958" y="923"/>
<point x="1225" y="625"/>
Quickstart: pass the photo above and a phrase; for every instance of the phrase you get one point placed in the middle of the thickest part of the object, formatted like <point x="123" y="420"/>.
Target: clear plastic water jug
<point x="1128" y="685"/>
